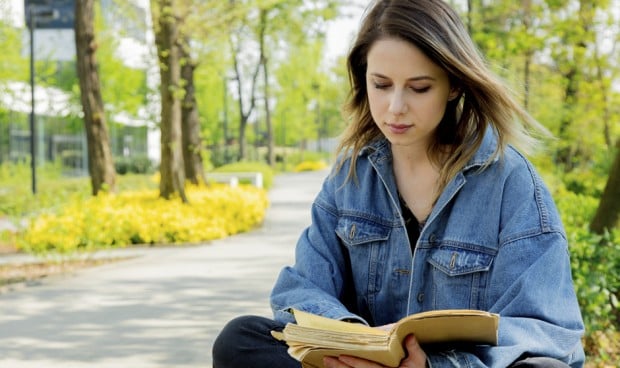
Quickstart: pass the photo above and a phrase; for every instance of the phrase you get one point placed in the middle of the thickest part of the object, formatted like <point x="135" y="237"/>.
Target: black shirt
<point x="413" y="226"/>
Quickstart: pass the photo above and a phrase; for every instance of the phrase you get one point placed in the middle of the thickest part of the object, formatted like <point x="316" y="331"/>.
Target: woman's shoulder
<point x="518" y="166"/>
<point x="506" y="160"/>
<point x="523" y="181"/>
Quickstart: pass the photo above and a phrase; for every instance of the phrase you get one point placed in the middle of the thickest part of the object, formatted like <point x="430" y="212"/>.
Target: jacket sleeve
<point x="315" y="283"/>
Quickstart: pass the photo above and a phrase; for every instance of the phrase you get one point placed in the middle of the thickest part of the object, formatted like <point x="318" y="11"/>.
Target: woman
<point x="429" y="206"/>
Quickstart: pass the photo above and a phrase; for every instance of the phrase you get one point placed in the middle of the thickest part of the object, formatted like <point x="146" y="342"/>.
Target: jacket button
<point x="420" y="297"/>
<point x="352" y="232"/>
<point x="432" y="238"/>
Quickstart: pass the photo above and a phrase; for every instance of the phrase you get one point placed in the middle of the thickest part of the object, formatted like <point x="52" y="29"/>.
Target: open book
<point x="314" y="337"/>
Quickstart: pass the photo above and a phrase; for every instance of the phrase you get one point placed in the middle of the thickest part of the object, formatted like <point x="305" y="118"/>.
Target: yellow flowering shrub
<point x="141" y="217"/>
<point x="310" y="166"/>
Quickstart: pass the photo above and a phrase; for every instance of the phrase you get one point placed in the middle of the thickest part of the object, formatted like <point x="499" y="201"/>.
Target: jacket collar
<point x="486" y="151"/>
<point x="379" y="149"/>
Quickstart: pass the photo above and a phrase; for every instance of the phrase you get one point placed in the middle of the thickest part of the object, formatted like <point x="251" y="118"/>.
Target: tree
<point x="266" y="36"/>
<point x="190" y="122"/>
<point x="266" y="95"/>
<point x="13" y="66"/>
<point x="308" y="96"/>
<point x="165" y="24"/>
<point x="578" y="28"/>
<point x="203" y="30"/>
<point x="607" y="215"/>
<point x="244" y="112"/>
<point x="282" y="20"/>
<point x="100" y="165"/>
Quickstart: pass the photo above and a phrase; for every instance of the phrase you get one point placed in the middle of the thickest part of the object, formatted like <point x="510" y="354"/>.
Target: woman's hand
<point x="416" y="358"/>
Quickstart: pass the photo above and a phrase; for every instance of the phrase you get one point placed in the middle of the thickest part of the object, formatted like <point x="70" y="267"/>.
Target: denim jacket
<point x="493" y="241"/>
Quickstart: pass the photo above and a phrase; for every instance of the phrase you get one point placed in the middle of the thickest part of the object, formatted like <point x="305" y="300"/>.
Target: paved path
<point x="162" y="308"/>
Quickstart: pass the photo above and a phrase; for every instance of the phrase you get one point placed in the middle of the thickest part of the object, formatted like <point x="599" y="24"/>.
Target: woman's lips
<point x="399" y="128"/>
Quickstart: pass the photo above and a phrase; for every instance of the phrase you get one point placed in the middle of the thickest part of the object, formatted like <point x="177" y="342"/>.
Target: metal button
<point x="420" y="297"/>
<point x="453" y="260"/>
<point x="432" y="238"/>
<point x="352" y="232"/>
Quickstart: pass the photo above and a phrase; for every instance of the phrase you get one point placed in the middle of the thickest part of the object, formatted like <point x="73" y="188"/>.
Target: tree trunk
<point x="100" y="164"/>
<point x="470" y="11"/>
<point x="166" y="39"/>
<point x="564" y="155"/>
<point x="243" y="117"/>
<point x="271" y="156"/>
<point x="576" y="74"/>
<point x="243" y="114"/>
<point x="608" y="212"/>
<point x="606" y="116"/>
<point x="263" y="58"/>
<point x="190" y="124"/>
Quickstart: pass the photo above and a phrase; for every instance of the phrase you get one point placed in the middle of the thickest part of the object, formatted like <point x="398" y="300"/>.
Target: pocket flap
<point x="456" y="261"/>
<point x="355" y="231"/>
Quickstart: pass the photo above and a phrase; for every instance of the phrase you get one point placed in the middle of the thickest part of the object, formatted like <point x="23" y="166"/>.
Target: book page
<point x="323" y="323"/>
<point x="449" y="325"/>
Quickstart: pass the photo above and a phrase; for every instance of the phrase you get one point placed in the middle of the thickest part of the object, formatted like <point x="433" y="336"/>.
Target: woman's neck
<point x="416" y="179"/>
<point x="410" y="157"/>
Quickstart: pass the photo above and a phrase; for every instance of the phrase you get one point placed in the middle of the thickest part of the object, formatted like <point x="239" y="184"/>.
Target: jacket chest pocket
<point x="364" y="241"/>
<point x="459" y="276"/>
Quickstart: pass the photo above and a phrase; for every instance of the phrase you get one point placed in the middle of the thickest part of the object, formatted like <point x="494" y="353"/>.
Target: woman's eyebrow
<point x="421" y="77"/>
<point x="412" y="79"/>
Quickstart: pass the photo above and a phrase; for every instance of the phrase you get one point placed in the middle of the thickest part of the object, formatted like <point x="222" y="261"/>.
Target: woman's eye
<point x="381" y="85"/>
<point x="420" y="90"/>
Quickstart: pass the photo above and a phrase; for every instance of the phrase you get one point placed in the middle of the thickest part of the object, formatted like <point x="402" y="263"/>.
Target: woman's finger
<point x="416" y="357"/>
<point x="331" y="362"/>
<point x="353" y="362"/>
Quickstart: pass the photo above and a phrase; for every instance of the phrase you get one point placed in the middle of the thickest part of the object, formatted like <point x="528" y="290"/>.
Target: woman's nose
<point x="397" y="103"/>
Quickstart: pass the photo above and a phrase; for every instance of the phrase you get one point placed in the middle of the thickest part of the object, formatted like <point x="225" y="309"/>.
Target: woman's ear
<point x="454" y="93"/>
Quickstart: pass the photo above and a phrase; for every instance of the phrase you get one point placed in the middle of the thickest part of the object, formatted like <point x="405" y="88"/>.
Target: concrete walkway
<point x="162" y="308"/>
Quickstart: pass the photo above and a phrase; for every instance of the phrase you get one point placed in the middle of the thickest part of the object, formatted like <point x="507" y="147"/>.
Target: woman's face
<point x="407" y="92"/>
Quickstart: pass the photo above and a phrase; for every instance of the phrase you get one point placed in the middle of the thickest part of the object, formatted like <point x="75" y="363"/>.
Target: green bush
<point x="133" y="165"/>
<point x="595" y="262"/>
<point x="219" y="156"/>
<point x="72" y="159"/>
<point x="295" y="158"/>
<point x="584" y="182"/>
<point x="310" y="166"/>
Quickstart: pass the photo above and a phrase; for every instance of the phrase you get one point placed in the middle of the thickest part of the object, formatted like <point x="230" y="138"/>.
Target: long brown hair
<point x="484" y="101"/>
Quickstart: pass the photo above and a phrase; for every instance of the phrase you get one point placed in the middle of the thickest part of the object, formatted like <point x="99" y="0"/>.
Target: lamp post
<point x="46" y="14"/>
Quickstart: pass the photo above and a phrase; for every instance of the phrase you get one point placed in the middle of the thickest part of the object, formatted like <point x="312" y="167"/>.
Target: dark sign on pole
<point x="64" y="9"/>
<point x="50" y="14"/>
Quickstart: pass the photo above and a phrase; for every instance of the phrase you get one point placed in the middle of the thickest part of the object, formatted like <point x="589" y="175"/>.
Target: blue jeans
<point x="247" y="342"/>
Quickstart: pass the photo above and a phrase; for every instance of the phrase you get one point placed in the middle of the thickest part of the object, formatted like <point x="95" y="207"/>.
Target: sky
<point x="340" y="32"/>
